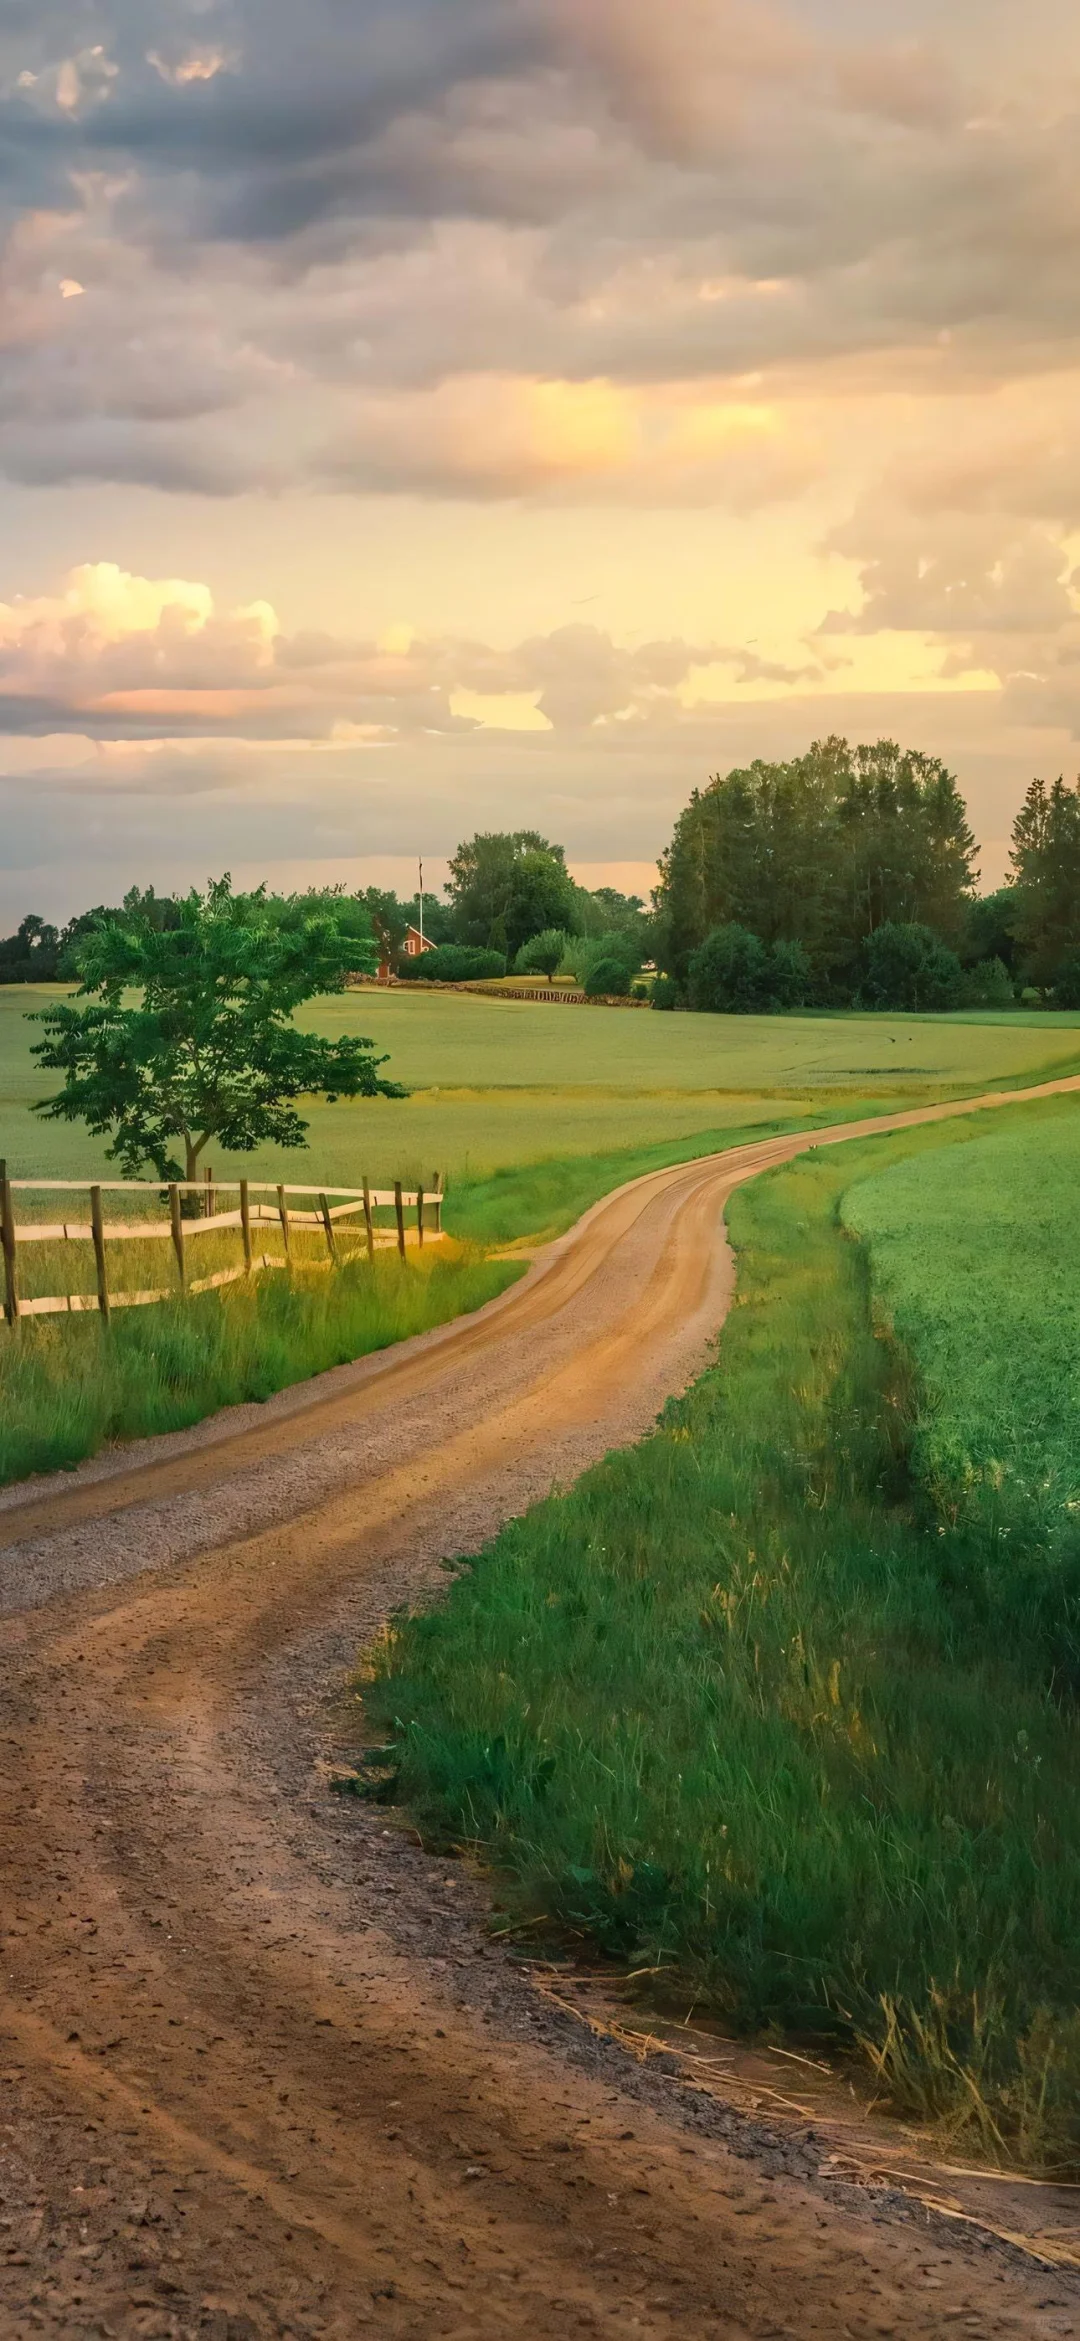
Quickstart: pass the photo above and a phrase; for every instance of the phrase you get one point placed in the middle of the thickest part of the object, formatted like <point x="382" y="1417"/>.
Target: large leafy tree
<point x="188" y="1034"/>
<point x="818" y="852"/>
<point x="506" y="886"/>
<point x="906" y="855"/>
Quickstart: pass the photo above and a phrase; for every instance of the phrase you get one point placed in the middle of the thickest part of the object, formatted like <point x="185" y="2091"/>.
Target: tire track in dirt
<point x="238" y="2094"/>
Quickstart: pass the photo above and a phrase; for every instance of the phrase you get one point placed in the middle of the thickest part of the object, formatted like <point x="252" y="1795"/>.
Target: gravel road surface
<point x="262" y="2073"/>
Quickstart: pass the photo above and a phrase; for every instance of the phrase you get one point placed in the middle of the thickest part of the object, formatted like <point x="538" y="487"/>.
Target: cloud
<point x="491" y="436"/>
<point x="119" y="659"/>
<point x="955" y="577"/>
<point x="82" y="829"/>
<point x="497" y="205"/>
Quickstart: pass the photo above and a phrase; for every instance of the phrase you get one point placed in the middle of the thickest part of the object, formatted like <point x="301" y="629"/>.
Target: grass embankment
<point x="69" y="1385"/>
<point x="975" y="1262"/>
<point x="738" y="1711"/>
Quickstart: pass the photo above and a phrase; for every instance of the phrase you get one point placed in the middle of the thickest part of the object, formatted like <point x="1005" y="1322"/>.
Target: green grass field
<point x="743" y="1711"/>
<point x="974" y="1258"/>
<point x="498" y="1084"/>
<point x="532" y="1113"/>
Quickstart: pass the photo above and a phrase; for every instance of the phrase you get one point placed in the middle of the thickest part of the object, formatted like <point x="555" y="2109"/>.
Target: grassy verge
<point x="974" y="1264"/>
<point x="538" y="1200"/>
<point x="69" y="1386"/>
<point x="735" y="1711"/>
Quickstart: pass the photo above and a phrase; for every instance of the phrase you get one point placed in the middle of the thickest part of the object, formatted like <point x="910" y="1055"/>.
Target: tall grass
<point x="519" y="1201"/>
<point x="975" y="1264"/>
<point x="734" y="1712"/>
<point x="69" y="1385"/>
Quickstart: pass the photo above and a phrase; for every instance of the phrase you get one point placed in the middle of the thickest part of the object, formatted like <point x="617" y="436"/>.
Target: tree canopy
<point x="819" y="852"/>
<point x="543" y="954"/>
<point x="734" y="973"/>
<point x="506" y="886"/>
<point x="207" y="1049"/>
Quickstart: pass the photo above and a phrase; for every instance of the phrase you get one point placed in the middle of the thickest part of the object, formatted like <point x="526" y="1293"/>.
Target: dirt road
<point x="261" y="2072"/>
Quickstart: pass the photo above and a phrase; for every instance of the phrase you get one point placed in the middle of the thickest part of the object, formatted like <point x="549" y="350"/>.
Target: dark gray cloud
<point x="268" y="208"/>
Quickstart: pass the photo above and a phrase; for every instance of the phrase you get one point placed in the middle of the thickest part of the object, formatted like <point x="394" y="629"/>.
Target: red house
<point x="412" y="946"/>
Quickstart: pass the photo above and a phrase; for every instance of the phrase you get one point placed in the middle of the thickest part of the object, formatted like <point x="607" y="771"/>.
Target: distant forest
<point x="846" y="877"/>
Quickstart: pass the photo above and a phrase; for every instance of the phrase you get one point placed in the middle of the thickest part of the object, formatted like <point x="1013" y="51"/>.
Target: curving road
<point x="260" y="2071"/>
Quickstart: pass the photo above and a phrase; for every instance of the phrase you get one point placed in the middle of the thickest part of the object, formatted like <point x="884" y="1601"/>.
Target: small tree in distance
<point x="543" y="954"/>
<point x="207" y="1049"/>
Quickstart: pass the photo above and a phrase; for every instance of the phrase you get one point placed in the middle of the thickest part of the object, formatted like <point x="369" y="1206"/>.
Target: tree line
<point x="844" y="877"/>
<point x="510" y="903"/>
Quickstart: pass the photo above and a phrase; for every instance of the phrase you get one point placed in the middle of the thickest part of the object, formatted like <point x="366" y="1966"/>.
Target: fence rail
<point x="180" y="1230"/>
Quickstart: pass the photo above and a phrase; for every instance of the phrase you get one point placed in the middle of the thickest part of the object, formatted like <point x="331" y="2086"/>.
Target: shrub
<point x="1067" y="987"/>
<point x="990" y="985"/>
<point x="606" y="978"/>
<point x="584" y="952"/>
<point x="543" y="954"/>
<point x="908" y="967"/>
<point x="453" y="963"/>
<point x="665" y="992"/>
<point x="735" y="974"/>
<point x="791" y="975"/>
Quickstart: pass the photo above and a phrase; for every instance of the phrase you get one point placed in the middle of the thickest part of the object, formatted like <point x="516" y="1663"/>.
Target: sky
<point x="422" y="416"/>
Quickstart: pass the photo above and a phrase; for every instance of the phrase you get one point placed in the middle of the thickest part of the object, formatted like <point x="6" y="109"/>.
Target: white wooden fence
<point x="333" y="1207"/>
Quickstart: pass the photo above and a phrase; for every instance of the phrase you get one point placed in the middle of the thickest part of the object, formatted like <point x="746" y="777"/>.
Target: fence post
<point x="368" y="1222"/>
<point x="283" y="1215"/>
<point x="400" y="1210"/>
<point x="437" y="1184"/>
<point x="328" y="1224"/>
<point x="245" y="1222"/>
<point x="210" y="1201"/>
<point x="177" y="1218"/>
<point x="420" y="1215"/>
<point x="98" y="1227"/>
<point x="7" y="1238"/>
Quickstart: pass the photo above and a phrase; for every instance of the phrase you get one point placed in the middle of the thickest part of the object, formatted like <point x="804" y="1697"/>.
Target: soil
<point x="263" y="2069"/>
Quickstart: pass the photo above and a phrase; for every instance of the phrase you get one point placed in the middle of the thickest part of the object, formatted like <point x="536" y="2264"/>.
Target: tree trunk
<point x="192" y="1202"/>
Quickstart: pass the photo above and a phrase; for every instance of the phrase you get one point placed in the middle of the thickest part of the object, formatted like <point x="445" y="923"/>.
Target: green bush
<point x="735" y="974"/>
<point x="584" y="953"/>
<point x="606" y="979"/>
<point x="907" y="966"/>
<point x="1067" y="987"/>
<point x="666" y="993"/>
<point x="989" y="985"/>
<point x="454" y="963"/>
<point x="790" y="975"/>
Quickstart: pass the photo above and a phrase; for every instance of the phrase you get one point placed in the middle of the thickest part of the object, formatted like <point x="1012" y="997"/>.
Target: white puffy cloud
<point x="121" y="659"/>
